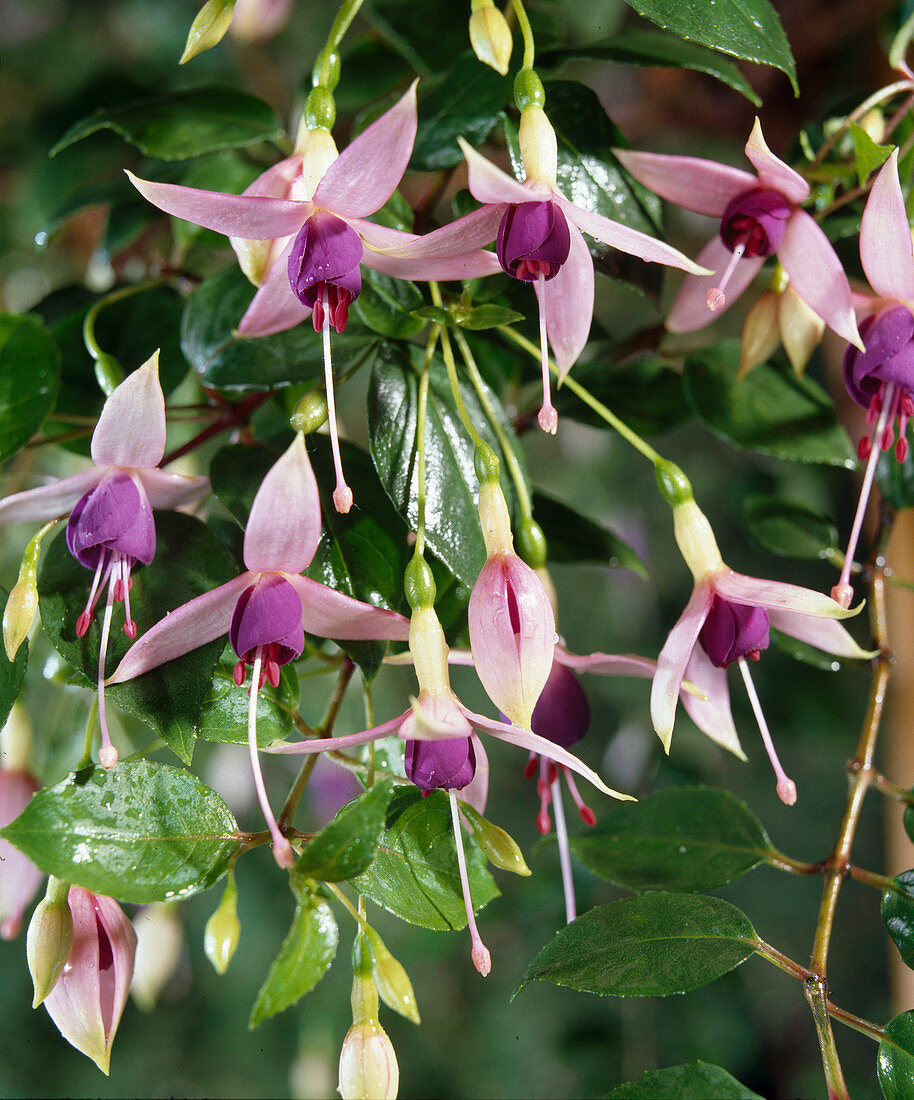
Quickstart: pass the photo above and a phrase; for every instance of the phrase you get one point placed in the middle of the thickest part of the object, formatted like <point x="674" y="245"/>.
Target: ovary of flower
<point x="266" y="609"/>
<point x="759" y="215"/>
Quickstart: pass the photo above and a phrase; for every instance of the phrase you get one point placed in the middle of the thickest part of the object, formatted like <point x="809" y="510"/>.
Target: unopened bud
<point x="209" y="28"/>
<point x="159" y="942"/>
<point x="538" y="145"/>
<point x="320" y="109"/>
<point x="429" y="650"/>
<point x="499" y="847"/>
<point x="528" y="90"/>
<point x="22" y="605"/>
<point x="672" y="482"/>
<point x="531" y="543"/>
<point x="494" y="519"/>
<point x="223" y="929"/>
<point x="16" y="742"/>
<point x="490" y="36"/>
<point x="327" y="68"/>
<point x="391" y="980"/>
<point x="873" y="125"/>
<point x="695" y="539"/>
<point x="310" y="412"/>
<point x="760" y="337"/>
<point x="419" y="584"/>
<point x="108" y="373"/>
<point x="49" y="939"/>
<point x="801" y="329"/>
<point x="368" y="1064"/>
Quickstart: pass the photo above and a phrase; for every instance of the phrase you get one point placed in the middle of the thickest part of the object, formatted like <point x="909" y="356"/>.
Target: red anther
<point x="273" y="673"/>
<point x="425" y="794"/>
<point x="530" y="767"/>
<point x="130" y="628"/>
<point x="239" y="672"/>
<point x="888" y="438"/>
<point x="338" y="298"/>
<point x="542" y="822"/>
<point x="863" y="449"/>
<point x="130" y="584"/>
<point x="553" y="772"/>
<point x="754" y="654"/>
<point x="906" y="404"/>
<point x="901" y="449"/>
<point x="587" y="815"/>
<point x="83" y="623"/>
<point x="118" y="590"/>
<point x="317" y="315"/>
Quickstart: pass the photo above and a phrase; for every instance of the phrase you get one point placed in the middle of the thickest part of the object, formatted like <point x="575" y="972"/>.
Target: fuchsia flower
<point x="312" y="208"/>
<point x="19" y="877"/>
<point x="266" y="610"/>
<point x="759" y="215"/>
<point x="111" y="526"/>
<point x="88" y="998"/>
<point x="881" y="376"/>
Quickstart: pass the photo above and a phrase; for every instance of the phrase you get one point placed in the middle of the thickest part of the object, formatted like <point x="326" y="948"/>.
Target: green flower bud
<point x="528" y="90"/>
<point x="368" y="1064"/>
<point x="486" y="464"/>
<point x="108" y="373"/>
<point x="209" y="28"/>
<point x="310" y="412"/>
<point x="320" y="109"/>
<point x="49" y="939"/>
<point x="531" y="543"/>
<point x="419" y="584"/>
<point x="499" y="847"/>
<point x="672" y="482"/>
<point x="223" y="929"/>
<point x="391" y="979"/>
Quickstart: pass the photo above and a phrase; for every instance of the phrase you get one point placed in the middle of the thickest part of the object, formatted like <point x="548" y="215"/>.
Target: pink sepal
<point x="330" y="614"/>
<point x="19" y="877"/>
<point x="772" y="171"/>
<point x="885" y="237"/>
<point x="567" y="302"/>
<point x="131" y="429"/>
<point x="168" y="490"/>
<point x="689" y="311"/>
<point x="284" y="526"/>
<point x="48" y="501"/>
<point x="712" y="714"/>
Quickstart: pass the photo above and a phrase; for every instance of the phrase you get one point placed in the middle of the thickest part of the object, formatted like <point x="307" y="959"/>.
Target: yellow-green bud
<point x="531" y="543"/>
<point x="320" y="109"/>
<point x="499" y="847"/>
<point x="695" y="539"/>
<point x="390" y="978"/>
<point x="368" y="1064"/>
<point x="208" y="28"/>
<point x="538" y="145"/>
<point x="310" y="412"/>
<point x="159" y="943"/>
<point x="419" y="584"/>
<point x="490" y="36"/>
<point x="223" y="929"/>
<point x="16" y="740"/>
<point x="873" y="125"/>
<point x="528" y="90"/>
<point x="326" y="69"/>
<point x="49" y="939"/>
<point x="22" y="605"/>
<point x="801" y="329"/>
<point x="672" y="482"/>
<point x="494" y="519"/>
<point x="760" y="337"/>
<point x="485" y="463"/>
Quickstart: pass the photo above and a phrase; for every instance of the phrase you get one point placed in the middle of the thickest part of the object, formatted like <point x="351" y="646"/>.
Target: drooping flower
<point x="881" y="376"/>
<point x="312" y="209"/>
<point x="19" y="877"/>
<point x="111" y="527"/>
<point x="266" y="609"/>
<point x="759" y="215"/>
<point x="88" y="999"/>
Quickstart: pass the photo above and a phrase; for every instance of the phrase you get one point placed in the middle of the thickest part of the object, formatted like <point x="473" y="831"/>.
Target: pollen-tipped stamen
<point x="548" y="418"/>
<point x="282" y="849"/>
<point x="543" y="789"/>
<point x="85" y="619"/>
<point x="127" y="584"/>
<point x="561" y="834"/>
<point x="586" y="813"/>
<point x="342" y="494"/>
<point x="107" y="754"/>
<point x="479" y="953"/>
<point x="715" y="299"/>
<point x="787" y="789"/>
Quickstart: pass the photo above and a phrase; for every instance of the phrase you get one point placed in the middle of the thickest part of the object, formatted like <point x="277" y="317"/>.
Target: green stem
<point x="448" y="352"/>
<point x="814" y="988"/>
<point x="86" y="758"/>
<point x="796" y="866"/>
<point x="369" y="724"/>
<point x="341" y="897"/>
<point x="349" y="9"/>
<point x="92" y="345"/>
<point x="420" y="440"/>
<point x="870" y="878"/>
<point x="526" y="33"/>
<point x="627" y="433"/>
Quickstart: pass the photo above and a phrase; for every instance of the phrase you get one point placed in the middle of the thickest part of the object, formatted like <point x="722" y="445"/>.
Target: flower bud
<point x="223" y="929"/>
<point x="760" y="337"/>
<point x="490" y="36"/>
<point x="208" y="29"/>
<point x="538" y="145"/>
<point x="19" y="877"/>
<point x="499" y="847"/>
<point x="108" y="373"/>
<point x="310" y="412"/>
<point x="159" y="943"/>
<point x="801" y="329"/>
<point x="22" y="605"/>
<point x="368" y="1064"/>
<point x="391" y="980"/>
<point x="49" y="939"/>
<point x="695" y="539"/>
<point x="873" y="125"/>
<point x="674" y="486"/>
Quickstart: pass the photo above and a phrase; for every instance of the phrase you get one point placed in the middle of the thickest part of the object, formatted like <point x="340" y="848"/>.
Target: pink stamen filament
<point x="586" y="813"/>
<point x="85" y="619"/>
<point x="543" y="822"/>
<point x="282" y="849"/>
<point x="787" y="789"/>
<point x="107" y="754"/>
<point x="561" y="835"/>
<point x="482" y="960"/>
<point x="548" y="418"/>
<point x="842" y="591"/>
<point x="715" y="299"/>
<point x="127" y="584"/>
<point x="342" y="494"/>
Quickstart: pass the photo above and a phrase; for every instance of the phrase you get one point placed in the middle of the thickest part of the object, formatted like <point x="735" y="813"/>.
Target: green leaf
<point x="573" y="537"/>
<point x="387" y="305"/>
<point x="908" y="819"/>
<point x="692" y="1081"/>
<point x="29" y="379"/>
<point x="224" y="716"/>
<point x="253" y="364"/>
<point x="748" y="29"/>
<point x="686" y="838"/>
<point x="306" y="953"/>
<point x="475" y="319"/>
<point x="870" y="155"/>
<point x="346" y="847"/>
<point x="895" y="1057"/>
<point x="647" y="946"/>
<point x="646" y="47"/>
<point x="896" y="479"/>
<point x="445" y="114"/>
<point x="770" y="411"/>
<point x="179" y="125"/>
<point x="189" y="561"/>
<point x="12" y="673"/>
<point x="897" y="911"/>
<point x="140" y="832"/>
<point x="452" y="522"/>
<point x="790" y="529"/>
<point x="415" y="873"/>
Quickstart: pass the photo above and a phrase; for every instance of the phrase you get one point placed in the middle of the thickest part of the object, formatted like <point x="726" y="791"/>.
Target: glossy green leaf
<point x="346" y="847"/>
<point x="685" y="838"/>
<point x="306" y="953"/>
<point x="692" y="1081"/>
<point x="415" y="873"/>
<point x="140" y="832"/>
<point x="647" y="946"/>
<point x="224" y="715"/>
<point x="896" y="479"/>
<point x="897" y="911"/>
<point x="771" y="410"/>
<point x="386" y="305"/>
<point x="189" y="561"/>
<point x="870" y="155"/>
<point x="573" y="537"/>
<point x="445" y="116"/>
<point x="185" y="124"/>
<point x="240" y="365"/>
<point x="29" y="379"/>
<point x="748" y="29"/>
<point x="790" y="529"/>
<point x="909" y="820"/>
<point x="895" y="1058"/>
<point x="646" y="47"/>
<point x="475" y="319"/>
<point x="12" y="673"/>
<point x="452" y="522"/>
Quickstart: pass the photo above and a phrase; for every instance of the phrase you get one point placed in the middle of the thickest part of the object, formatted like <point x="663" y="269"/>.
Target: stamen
<point x="586" y="813"/>
<point x="272" y="665"/>
<point x="482" y="960"/>
<point x="107" y="754"/>
<point x="342" y="494"/>
<point x="239" y="672"/>
<point x="530" y="766"/>
<point x="85" y="619"/>
<point x="561" y="833"/>
<point x="787" y="789"/>
<point x="282" y="849"/>
<point x="842" y="592"/>
<point x="548" y="418"/>
<point x="715" y="299"/>
<point x="127" y="584"/>
<point x="543" y="821"/>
